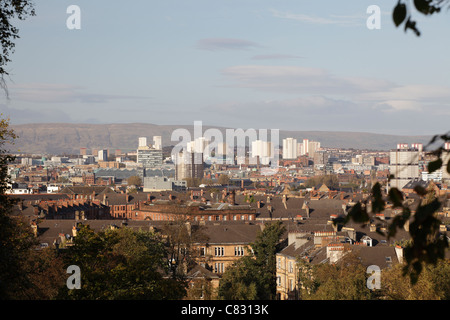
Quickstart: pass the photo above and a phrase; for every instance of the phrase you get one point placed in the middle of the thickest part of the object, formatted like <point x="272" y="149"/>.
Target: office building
<point x="164" y="184"/>
<point x="262" y="150"/>
<point x="290" y="148"/>
<point x="147" y="156"/>
<point x="157" y="142"/>
<point x="103" y="155"/>
<point x="404" y="166"/>
<point x="188" y="165"/>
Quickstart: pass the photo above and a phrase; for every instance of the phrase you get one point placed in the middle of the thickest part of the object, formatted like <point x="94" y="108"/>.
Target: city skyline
<point x="293" y="65"/>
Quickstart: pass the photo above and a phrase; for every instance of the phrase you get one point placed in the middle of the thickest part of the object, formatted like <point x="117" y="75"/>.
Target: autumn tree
<point x="432" y="284"/>
<point x="224" y="179"/>
<point x="180" y="238"/>
<point x="120" y="264"/>
<point x="253" y="277"/>
<point x="344" y="280"/>
<point x="134" y="181"/>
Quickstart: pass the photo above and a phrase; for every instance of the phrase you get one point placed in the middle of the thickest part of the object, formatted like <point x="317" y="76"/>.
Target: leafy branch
<point x="402" y="13"/>
<point x="427" y="244"/>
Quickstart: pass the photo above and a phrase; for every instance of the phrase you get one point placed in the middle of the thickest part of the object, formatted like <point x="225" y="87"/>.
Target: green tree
<point x="243" y="281"/>
<point x="120" y="264"/>
<point x="432" y="284"/>
<point x="16" y="237"/>
<point x="25" y="273"/>
<point x="345" y="280"/>
<point x="253" y="277"/>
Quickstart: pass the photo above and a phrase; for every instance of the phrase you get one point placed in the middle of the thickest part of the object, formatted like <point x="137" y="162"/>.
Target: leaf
<point x="423" y="6"/>
<point x="358" y="213"/>
<point x="421" y="191"/>
<point x="396" y="197"/>
<point x="412" y="25"/>
<point x="399" y="14"/>
<point x="434" y="165"/>
<point x="378" y="202"/>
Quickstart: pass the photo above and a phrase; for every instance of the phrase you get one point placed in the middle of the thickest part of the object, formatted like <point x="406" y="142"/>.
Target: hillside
<point x="59" y="138"/>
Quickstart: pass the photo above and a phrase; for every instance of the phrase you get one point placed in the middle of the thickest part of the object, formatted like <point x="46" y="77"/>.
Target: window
<point x="224" y="218"/>
<point x="219" y="268"/>
<point x="279" y="263"/>
<point x="278" y="281"/>
<point x="291" y="285"/>
<point x="238" y="251"/>
<point x="234" y="217"/>
<point x="219" y="251"/>
<point x="291" y="268"/>
<point x="242" y="217"/>
<point x="202" y="252"/>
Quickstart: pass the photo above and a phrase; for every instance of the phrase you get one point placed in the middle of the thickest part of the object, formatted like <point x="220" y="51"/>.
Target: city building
<point x="404" y="165"/>
<point x="163" y="184"/>
<point x="188" y="165"/>
<point x="149" y="157"/>
<point x="262" y="150"/>
<point x="103" y="155"/>
<point x="157" y="142"/>
<point x="290" y="148"/>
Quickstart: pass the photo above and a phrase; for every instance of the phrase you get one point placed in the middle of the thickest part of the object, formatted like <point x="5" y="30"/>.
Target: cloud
<point x="349" y="20"/>
<point x="27" y="115"/>
<point x="275" y="57"/>
<point x="217" y="44"/>
<point x="60" y="93"/>
<point x="299" y="80"/>
<point x="323" y="98"/>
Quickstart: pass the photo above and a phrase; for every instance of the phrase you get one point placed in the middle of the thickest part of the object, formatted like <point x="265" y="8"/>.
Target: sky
<point x="274" y="64"/>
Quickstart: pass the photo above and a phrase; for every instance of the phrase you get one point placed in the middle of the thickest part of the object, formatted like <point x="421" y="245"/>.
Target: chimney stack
<point x="232" y="198"/>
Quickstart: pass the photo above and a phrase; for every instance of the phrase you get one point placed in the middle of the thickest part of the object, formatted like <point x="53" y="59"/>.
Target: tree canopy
<point x="253" y="277"/>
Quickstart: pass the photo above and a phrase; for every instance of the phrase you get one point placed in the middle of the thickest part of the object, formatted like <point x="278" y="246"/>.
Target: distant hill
<point x="60" y="138"/>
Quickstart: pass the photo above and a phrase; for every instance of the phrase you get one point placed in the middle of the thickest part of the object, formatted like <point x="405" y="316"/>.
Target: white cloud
<point x="275" y="57"/>
<point x="350" y="20"/>
<point x="60" y="93"/>
<point x="214" y="44"/>
<point x="300" y="80"/>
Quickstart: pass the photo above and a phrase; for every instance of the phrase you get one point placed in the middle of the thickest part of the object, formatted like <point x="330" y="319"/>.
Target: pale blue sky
<point x="276" y="64"/>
